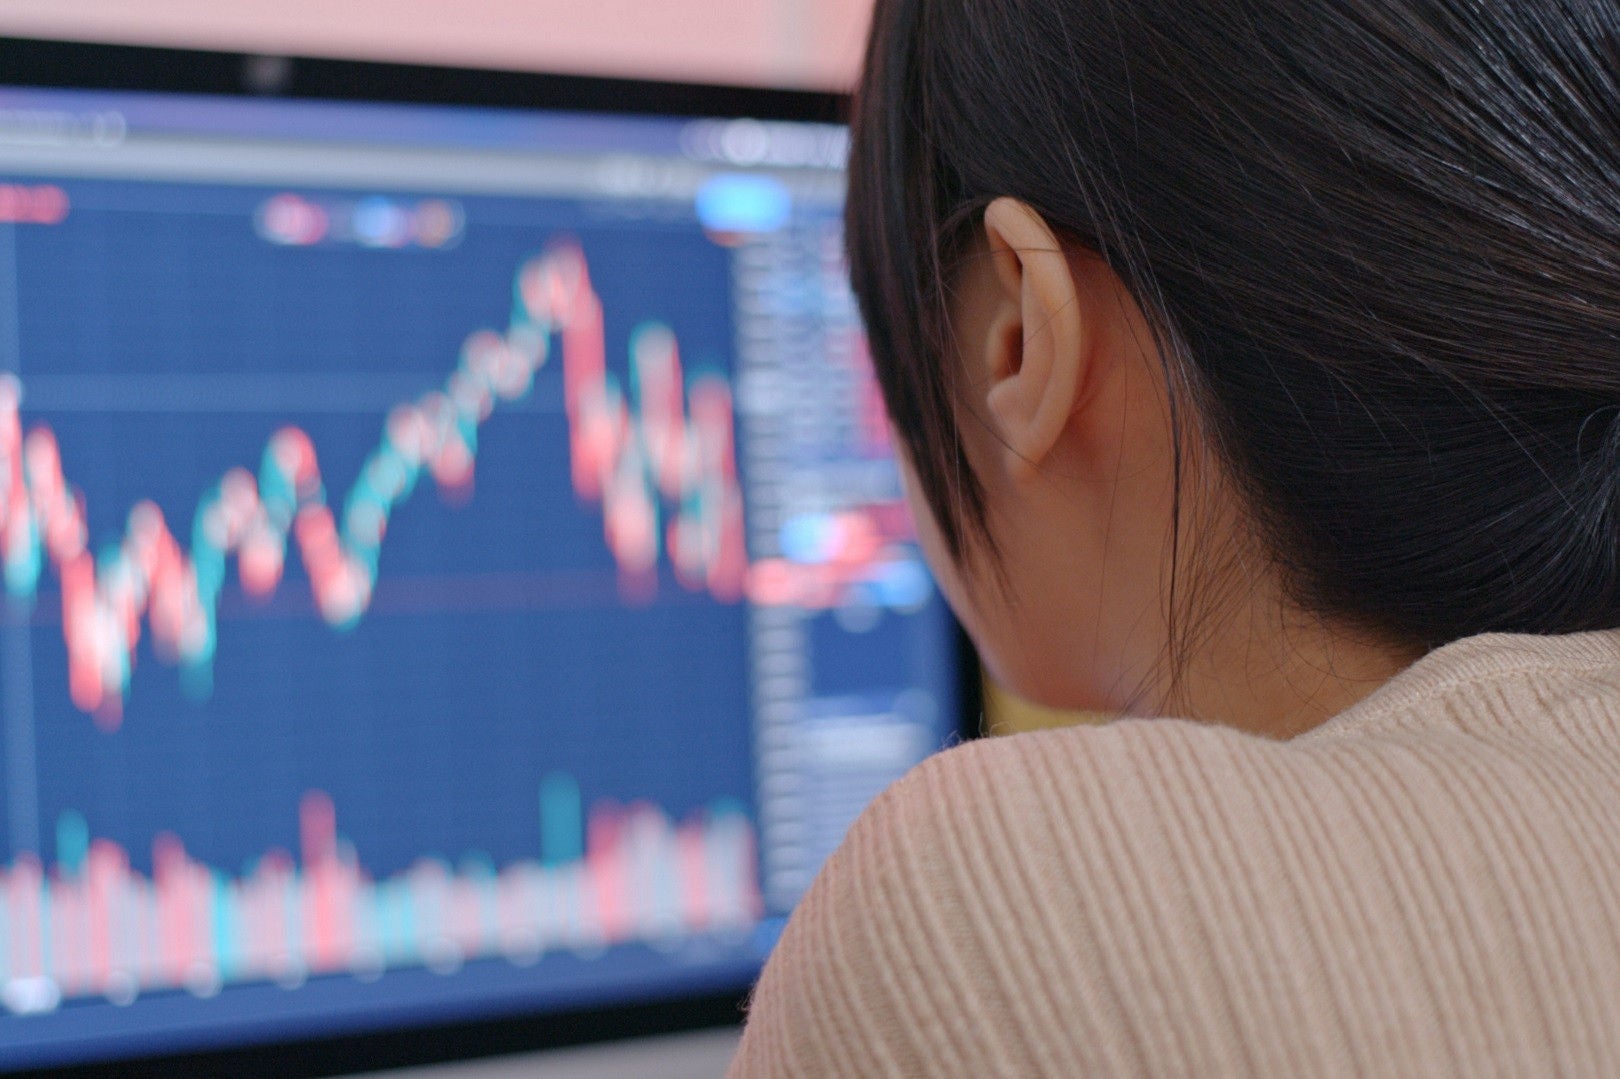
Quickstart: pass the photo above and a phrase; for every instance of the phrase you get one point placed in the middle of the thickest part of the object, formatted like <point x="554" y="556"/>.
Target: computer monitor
<point x="455" y="574"/>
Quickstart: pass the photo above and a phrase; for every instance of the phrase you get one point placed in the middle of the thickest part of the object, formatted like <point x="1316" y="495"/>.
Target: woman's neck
<point x="1279" y="673"/>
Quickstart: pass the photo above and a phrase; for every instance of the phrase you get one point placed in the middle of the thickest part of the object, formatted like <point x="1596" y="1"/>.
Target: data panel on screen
<point x="454" y="564"/>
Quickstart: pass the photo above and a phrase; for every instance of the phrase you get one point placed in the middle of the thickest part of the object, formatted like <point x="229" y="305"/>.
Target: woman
<point x="1258" y="364"/>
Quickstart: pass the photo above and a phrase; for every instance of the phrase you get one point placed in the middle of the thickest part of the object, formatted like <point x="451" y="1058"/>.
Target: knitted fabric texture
<point x="1427" y="884"/>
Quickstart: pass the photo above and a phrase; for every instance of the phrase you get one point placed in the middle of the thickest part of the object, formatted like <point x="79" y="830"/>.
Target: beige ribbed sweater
<point x="1428" y="884"/>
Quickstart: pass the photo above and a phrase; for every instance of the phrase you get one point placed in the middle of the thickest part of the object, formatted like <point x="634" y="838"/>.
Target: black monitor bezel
<point x="81" y="65"/>
<point x="27" y="62"/>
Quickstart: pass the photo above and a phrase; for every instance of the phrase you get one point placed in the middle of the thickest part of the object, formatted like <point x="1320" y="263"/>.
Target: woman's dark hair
<point x="1378" y="242"/>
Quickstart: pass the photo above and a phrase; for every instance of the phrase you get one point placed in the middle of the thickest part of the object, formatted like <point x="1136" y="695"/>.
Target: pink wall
<point x="778" y="42"/>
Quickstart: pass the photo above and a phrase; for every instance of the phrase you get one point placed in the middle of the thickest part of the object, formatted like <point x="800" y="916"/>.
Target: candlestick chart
<point x="90" y="925"/>
<point x="374" y="620"/>
<point x="514" y="619"/>
<point x="662" y="441"/>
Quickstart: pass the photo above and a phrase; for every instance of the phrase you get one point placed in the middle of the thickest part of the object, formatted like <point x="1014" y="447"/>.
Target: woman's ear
<point x="1038" y="344"/>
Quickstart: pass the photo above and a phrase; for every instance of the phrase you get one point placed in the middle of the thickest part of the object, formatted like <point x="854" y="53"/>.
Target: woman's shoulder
<point x="1170" y="896"/>
<point x="987" y="913"/>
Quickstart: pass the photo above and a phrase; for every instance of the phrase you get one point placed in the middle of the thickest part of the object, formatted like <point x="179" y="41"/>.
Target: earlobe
<point x="1039" y="340"/>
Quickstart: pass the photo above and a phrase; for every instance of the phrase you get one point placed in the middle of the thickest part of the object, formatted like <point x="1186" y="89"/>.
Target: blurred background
<point x="810" y="44"/>
<point x="804" y="43"/>
<point x="793" y="43"/>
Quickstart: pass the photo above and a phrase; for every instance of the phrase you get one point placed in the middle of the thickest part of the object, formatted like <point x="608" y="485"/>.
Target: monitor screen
<point x="454" y="563"/>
